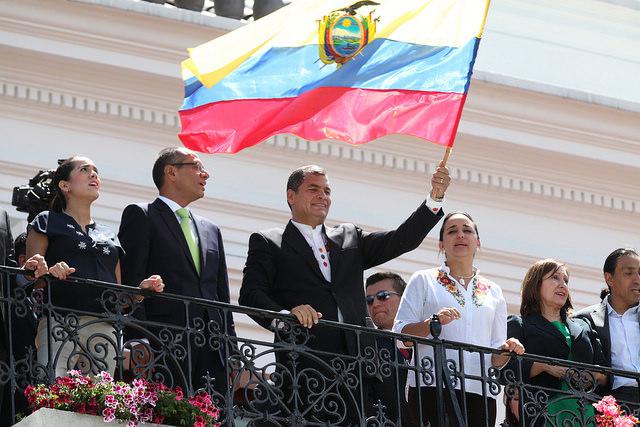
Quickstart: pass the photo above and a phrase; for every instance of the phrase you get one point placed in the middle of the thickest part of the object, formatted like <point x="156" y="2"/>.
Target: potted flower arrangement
<point x="610" y="414"/>
<point x="139" y="402"/>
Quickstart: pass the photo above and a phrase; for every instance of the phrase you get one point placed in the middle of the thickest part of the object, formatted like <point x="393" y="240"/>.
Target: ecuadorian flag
<point x="334" y="69"/>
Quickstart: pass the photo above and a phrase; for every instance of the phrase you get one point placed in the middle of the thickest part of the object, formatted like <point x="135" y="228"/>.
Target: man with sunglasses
<point x="383" y="292"/>
<point x="186" y="250"/>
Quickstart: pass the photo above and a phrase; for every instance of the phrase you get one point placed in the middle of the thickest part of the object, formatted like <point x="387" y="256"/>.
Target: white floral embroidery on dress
<point x="106" y="250"/>
<point x="82" y="245"/>
<point x="79" y="233"/>
<point x="71" y="226"/>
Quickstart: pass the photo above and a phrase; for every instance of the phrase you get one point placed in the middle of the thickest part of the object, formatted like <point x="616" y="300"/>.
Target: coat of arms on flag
<point x="344" y="32"/>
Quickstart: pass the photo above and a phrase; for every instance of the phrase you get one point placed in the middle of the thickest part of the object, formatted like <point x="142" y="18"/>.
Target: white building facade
<point x="547" y="157"/>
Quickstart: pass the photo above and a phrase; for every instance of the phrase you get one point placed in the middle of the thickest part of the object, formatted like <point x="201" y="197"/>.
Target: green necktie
<point x="186" y="230"/>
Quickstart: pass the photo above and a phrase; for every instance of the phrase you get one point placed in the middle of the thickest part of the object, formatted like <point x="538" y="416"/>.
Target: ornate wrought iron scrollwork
<point x="286" y="382"/>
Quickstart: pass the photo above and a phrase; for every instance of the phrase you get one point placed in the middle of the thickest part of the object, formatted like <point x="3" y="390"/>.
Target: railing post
<point x="438" y="360"/>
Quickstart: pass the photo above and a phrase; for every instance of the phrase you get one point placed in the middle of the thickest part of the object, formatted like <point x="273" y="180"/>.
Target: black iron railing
<point x="285" y="382"/>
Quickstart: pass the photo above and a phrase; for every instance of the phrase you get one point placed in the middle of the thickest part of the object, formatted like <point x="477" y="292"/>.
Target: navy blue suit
<point x="154" y="244"/>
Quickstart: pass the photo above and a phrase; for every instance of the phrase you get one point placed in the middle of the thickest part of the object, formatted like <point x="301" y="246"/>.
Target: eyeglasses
<point x="196" y="165"/>
<point x="381" y="296"/>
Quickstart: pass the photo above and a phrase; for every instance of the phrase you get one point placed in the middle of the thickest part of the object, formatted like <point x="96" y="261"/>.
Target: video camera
<point x="36" y="196"/>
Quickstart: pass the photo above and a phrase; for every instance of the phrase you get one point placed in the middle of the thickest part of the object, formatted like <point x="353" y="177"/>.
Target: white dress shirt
<point x="318" y="242"/>
<point x="174" y="207"/>
<point x="624" y="331"/>
<point x="483" y="317"/>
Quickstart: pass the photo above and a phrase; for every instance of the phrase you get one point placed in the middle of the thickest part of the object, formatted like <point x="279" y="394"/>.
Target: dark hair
<point x="510" y="392"/>
<point x="398" y="283"/>
<point x="20" y="245"/>
<point x="611" y="262"/>
<point x="449" y="215"/>
<point x="297" y="176"/>
<point x="531" y="287"/>
<point x="604" y="292"/>
<point x="166" y="157"/>
<point x="63" y="173"/>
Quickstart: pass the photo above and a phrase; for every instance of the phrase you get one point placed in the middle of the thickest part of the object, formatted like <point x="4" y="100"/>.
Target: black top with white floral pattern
<point x="94" y="254"/>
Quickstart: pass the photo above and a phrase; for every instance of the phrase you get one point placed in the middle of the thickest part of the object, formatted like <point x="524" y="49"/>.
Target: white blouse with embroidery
<point x="483" y="317"/>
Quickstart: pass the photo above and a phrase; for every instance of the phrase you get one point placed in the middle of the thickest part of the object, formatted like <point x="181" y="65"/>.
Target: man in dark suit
<point x="186" y="250"/>
<point x="383" y="292"/>
<point x="316" y="272"/>
<point x="616" y="321"/>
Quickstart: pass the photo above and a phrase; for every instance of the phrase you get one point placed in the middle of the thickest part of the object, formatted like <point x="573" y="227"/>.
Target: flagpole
<point x="447" y="153"/>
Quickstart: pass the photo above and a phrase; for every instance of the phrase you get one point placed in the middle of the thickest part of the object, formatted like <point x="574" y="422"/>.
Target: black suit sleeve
<point x="516" y="329"/>
<point x="258" y="277"/>
<point x="9" y="258"/>
<point x="380" y="247"/>
<point x="134" y="238"/>
<point x="598" y="354"/>
<point x="223" y="285"/>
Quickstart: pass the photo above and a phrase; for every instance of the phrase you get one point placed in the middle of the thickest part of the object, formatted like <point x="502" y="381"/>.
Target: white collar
<point x="172" y="205"/>
<point x="633" y="310"/>
<point x="307" y="230"/>
<point x="445" y="269"/>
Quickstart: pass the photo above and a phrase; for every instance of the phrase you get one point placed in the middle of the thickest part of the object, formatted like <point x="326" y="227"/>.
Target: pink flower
<point x="482" y="287"/>
<point x="625" y="421"/>
<point x="110" y="401"/>
<point x="81" y="380"/>
<point x="200" y="422"/>
<point x="140" y="382"/>
<point x="108" y="414"/>
<point x="132" y="423"/>
<point x="179" y="393"/>
<point x="610" y="414"/>
<point x="105" y="377"/>
<point x="607" y="406"/>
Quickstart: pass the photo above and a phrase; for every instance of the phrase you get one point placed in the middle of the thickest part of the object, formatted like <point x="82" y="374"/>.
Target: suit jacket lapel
<point x="172" y="225"/>
<point x="600" y="318"/>
<point x="547" y="328"/>
<point x="294" y="238"/>
<point x="574" y="329"/>
<point x="335" y="240"/>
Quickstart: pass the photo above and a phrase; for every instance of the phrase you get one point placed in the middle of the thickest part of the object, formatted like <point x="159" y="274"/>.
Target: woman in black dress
<point x="72" y="243"/>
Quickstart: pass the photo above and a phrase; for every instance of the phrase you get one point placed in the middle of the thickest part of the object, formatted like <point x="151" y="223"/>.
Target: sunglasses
<point x="381" y="296"/>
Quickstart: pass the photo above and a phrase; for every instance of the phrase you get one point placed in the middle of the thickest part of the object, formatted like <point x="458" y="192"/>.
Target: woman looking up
<point x="71" y="242"/>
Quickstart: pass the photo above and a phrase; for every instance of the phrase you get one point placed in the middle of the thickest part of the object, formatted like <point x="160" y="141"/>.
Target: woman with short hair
<point x="545" y="328"/>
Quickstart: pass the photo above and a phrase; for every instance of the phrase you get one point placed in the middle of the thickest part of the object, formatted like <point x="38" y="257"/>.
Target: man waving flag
<point x="334" y="69"/>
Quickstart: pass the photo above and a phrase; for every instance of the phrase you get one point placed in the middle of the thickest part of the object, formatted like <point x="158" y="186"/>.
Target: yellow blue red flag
<point x="334" y="69"/>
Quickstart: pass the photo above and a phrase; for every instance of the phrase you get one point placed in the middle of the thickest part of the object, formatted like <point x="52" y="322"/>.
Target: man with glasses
<point x="164" y="237"/>
<point x="383" y="292"/>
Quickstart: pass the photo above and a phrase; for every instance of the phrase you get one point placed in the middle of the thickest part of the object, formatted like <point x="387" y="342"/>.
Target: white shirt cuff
<point x="433" y="205"/>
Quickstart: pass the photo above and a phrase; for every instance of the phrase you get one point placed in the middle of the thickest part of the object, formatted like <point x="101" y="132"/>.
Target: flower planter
<point x="45" y="417"/>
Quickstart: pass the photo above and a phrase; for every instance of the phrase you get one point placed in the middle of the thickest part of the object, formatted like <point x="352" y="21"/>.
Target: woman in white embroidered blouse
<point x="470" y="308"/>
